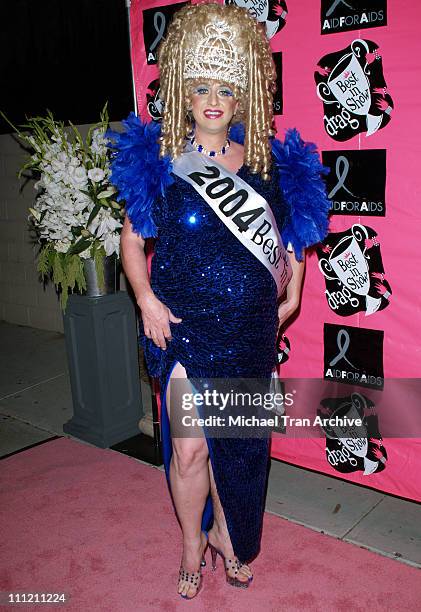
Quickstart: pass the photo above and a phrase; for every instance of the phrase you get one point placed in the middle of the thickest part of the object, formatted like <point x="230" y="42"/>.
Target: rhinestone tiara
<point x="216" y="57"/>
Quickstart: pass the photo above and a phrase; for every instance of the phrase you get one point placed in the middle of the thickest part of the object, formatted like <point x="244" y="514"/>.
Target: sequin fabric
<point x="225" y="296"/>
<point x="227" y="300"/>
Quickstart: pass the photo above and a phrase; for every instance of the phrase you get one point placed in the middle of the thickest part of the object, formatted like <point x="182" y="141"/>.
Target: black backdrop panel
<point x="69" y="56"/>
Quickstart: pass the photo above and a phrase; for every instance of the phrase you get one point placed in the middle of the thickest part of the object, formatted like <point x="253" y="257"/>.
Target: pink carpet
<point x="99" y="526"/>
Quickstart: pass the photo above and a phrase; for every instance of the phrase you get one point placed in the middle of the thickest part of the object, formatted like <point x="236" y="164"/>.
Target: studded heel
<point x="229" y="565"/>
<point x="194" y="579"/>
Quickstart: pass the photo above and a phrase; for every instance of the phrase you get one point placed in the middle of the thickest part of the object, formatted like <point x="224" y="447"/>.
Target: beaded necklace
<point x="202" y="149"/>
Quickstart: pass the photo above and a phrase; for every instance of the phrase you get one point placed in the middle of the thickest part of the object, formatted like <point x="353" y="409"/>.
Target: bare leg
<point x="219" y="535"/>
<point x="189" y="478"/>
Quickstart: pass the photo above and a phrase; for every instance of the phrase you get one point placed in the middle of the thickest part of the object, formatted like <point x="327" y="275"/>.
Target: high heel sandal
<point x="229" y="564"/>
<point x="194" y="578"/>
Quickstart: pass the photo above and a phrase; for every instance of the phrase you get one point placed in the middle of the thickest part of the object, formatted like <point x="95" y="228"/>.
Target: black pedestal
<point x="101" y="342"/>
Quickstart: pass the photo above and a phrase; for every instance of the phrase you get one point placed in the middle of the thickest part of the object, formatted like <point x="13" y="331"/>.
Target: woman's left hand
<point x="285" y="310"/>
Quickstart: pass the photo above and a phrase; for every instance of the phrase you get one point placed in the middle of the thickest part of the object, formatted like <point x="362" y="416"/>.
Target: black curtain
<point x="68" y="56"/>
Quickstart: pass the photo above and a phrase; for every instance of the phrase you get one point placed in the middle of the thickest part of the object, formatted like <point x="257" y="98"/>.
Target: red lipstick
<point x="213" y="113"/>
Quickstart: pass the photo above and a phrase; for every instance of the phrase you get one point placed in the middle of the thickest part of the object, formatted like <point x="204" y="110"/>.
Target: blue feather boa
<point x="138" y="172"/>
<point x="140" y="175"/>
<point x="304" y="190"/>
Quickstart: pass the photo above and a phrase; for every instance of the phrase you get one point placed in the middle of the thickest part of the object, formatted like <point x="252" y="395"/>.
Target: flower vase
<point x="111" y="273"/>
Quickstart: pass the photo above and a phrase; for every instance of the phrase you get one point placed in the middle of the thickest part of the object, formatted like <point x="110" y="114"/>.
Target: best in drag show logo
<point x="154" y="103"/>
<point x="353" y="90"/>
<point x="352" y="266"/>
<point x="353" y="448"/>
<point x="272" y="13"/>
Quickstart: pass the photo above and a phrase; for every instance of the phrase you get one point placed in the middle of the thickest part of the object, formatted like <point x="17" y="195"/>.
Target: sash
<point x="242" y="210"/>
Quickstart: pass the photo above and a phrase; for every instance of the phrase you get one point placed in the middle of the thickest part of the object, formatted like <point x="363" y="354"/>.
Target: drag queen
<point x="223" y="197"/>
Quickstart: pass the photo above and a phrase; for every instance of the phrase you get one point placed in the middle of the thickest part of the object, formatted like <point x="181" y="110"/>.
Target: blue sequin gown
<point x="226" y="298"/>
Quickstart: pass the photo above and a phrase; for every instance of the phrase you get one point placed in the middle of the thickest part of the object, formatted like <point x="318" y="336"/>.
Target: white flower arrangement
<point x="75" y="215"/>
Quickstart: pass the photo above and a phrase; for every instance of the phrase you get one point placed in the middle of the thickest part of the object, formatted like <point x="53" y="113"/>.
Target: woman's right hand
<point x="156" y="319"/>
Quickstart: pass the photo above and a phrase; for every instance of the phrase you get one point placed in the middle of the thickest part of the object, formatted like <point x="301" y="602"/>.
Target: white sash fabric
<point x="244" y="212"/>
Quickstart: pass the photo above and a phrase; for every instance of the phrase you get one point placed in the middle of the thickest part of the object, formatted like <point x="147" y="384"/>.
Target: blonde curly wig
<point x="255" y="105"/>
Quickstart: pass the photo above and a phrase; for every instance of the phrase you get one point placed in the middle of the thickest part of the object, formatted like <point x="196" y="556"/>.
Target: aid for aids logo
<point x="154" y="104"/>
<point x="272" y="13"/>
<point x="278" y="105"/>
<point x="346" y="15"/>
<point x="351" y="85"/>
<point x="353" y="355"/>
<point x="352" y="266"/>
<point x="353" y="448"/>
<point x="356" y="182"/>
<point x="155" y="24"/>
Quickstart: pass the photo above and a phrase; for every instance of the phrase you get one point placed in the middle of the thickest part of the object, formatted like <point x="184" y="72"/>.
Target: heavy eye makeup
<point x="204" y="89"/>
<point x="226" y="91"/>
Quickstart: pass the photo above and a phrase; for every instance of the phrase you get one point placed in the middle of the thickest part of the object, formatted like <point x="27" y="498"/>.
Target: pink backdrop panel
<point x="400" y="47"/>
<point x="302" y="47"/>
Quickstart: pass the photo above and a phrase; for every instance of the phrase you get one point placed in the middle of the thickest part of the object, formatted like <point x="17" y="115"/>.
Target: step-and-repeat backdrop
<point x="346" y="77"/>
